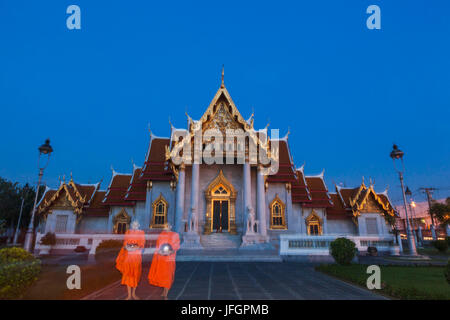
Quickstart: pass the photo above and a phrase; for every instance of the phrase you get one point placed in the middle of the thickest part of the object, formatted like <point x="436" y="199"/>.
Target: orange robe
<point x="162" y="270"/>
<point x="129" y="263"/>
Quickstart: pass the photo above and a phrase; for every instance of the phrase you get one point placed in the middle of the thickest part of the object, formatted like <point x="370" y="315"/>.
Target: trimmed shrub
<point x="447" y="272"/>
<point x="18" y="270"/>
<point x="108" y="249"/>
<point x="343" y="250"/>
<point x="49" y="239"/>
<point x="441" y="245"/>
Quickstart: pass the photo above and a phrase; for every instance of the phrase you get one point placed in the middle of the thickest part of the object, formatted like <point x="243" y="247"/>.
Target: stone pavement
<point x="242" y="280"/>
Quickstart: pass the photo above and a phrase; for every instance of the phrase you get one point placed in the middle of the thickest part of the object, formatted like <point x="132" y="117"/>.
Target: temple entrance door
<point x="220" y="215"/>
<point x="220" y="206"/>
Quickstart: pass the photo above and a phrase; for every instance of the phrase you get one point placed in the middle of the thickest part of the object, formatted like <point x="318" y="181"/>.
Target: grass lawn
<point x="51" y="284"/>
<point x="403" y="282"/>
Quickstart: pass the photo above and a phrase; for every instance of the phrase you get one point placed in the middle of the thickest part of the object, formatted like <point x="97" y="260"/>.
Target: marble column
<point x="261" y="202"/>
<point x="180" y="200"/>
<point x="325" y="225"/>
<point x="193" y="211"/>
<point x="148" y="206"/>
<point x="247" y="191"/>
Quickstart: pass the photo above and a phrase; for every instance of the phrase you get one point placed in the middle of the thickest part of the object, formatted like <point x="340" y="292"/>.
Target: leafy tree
<point x="441" y="211"/>
<point x="11" y="194"/>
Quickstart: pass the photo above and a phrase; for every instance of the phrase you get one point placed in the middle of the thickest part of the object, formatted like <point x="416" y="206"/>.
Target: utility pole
<point x="16" y="234"/>
<point x="428" y="192"/>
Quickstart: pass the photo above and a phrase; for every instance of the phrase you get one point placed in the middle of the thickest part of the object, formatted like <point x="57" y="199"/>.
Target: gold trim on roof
<point x="357" y="205"/>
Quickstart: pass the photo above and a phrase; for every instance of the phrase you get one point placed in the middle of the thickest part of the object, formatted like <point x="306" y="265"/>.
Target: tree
<point x="441" y="211"/>
<point x="11" y="194"/>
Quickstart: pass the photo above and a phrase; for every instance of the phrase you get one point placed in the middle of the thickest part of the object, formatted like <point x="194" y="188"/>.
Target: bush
<point x="49" y="239"/>
<point x="343" y="250"/>
<point x="441" y="245"/>
<point x="14" y="254"/>
<point x="447" y="272"/>
<point x="18" y="270"/>
<point x="108" y="249"/>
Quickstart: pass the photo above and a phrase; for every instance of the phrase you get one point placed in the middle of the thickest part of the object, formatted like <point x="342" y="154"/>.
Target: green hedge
<point x="18" y="270"/>
<point x="343" y="250"/>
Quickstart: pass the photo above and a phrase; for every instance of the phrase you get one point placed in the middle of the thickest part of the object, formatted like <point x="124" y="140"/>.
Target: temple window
<point x="61" y="223"/>
<point x="121" y="222"/>
<point x="277" y="214"/>
<point x="220" y="190"/>
<point x="371" y="226"/>
<point x="314" y="224"/>
<point x="160" y="206"/>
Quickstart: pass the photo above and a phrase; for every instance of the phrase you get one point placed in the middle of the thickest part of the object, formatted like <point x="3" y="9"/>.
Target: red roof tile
<point x="117" y="190"/>
<point x="337" y="211"/>
<point x="318" y="192"/>
<point x="138" y="187"/>
<point x="156" y="167"/>
<point x="96" y="207"/>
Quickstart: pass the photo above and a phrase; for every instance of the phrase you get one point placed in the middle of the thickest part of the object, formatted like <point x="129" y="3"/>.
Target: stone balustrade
<point x="68" y="242"/>
<point x="319" y="245"/>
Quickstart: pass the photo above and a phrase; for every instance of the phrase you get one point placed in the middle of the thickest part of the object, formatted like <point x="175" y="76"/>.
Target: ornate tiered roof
<point x="350" y="202"/>
<point x="83" y="199"/>
<point x="117" y="190"/>
<point x="156" y="166"/>
<point x="138" y="186"/>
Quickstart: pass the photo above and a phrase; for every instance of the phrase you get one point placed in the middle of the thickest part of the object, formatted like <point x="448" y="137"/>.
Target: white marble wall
<point x="382" y="226"/>
<point x="342" y="226"/>
<point x="93" y="225"/>
<point x="50" y="224"/>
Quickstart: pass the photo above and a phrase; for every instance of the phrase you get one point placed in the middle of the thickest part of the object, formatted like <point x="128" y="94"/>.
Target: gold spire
<point x="223" y="74"/>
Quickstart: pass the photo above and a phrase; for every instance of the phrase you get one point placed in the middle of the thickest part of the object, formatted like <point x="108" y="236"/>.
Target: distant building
<point x="419" y="216"/>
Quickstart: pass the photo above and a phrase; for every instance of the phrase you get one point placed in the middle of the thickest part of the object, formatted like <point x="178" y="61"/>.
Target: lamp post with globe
<point x="397" y="154"/>
<point x="45" y="151"/>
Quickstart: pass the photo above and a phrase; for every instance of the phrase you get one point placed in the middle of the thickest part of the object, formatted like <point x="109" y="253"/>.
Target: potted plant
<point x="46" y="243"/>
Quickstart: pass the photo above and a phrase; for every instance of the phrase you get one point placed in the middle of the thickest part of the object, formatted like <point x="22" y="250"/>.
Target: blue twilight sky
<point x="346" y="92"/>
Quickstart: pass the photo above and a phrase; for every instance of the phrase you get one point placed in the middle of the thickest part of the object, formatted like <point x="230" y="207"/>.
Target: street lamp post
<point x="45" y="150"/>
<point x="397" y="154"/>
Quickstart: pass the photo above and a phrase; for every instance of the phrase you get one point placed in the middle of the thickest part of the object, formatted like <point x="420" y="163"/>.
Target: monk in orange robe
<point x="129" y="260"/>
<point x="162" y="270"/>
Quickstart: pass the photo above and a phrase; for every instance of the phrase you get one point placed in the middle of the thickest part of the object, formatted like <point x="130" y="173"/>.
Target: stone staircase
<point x="220" y="241"/>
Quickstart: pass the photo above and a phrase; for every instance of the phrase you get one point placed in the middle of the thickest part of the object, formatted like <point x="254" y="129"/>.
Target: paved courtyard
<point x="243" y="280"/>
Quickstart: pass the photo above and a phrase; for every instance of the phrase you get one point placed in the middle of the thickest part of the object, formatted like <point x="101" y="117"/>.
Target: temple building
<point x="239" y="203"/>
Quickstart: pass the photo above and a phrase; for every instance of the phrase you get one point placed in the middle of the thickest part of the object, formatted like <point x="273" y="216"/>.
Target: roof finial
<point x="223" y="75"/>
<point x="71" y="178"/>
